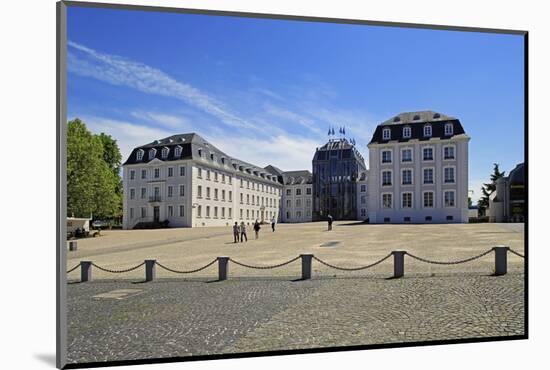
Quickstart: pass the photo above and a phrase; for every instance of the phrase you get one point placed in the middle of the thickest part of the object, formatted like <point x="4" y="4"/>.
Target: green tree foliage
<point x="487" y="189"/>
<point x="92" y="183"/>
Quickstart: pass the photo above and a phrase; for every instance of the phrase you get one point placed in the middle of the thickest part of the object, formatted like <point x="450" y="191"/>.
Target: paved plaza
<point x="118" y="317"/>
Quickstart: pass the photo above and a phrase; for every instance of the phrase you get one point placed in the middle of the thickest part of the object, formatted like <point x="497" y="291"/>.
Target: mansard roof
<point x="416" y="121"/>
<point x="297" y="177"/>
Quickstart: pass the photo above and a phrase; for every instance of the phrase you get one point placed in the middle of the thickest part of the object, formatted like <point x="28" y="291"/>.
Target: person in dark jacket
<point x="243" y="232"/>
<point x="257" y="228"/>
<point x="273" y="224"/>
<point x="329" y="219"/>
<point x="236" y="232"/>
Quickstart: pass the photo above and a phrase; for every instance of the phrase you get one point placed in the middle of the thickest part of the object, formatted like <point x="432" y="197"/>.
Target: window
<point x="199" y="211"/>
<point x="428" y="199"/>
<point x="406" y="132"/>
<point x="406" y="200"/>
<point x="248" y="184"/>
<point x="449" y="198"/>
<point x="170" y="191"/>
<point x="132" y="174"/>
<point x="165" y="152"/>
<point x="143" y="193"/>
<point x="428" y="154"/>
<point x="248" y="198"/>
<point x="139" y="155"/>
<point x="143" y="212"/>
<point x="208" y="174"/>
<point x="247" y="214"/>
<point x="386" y="134"/>
<point x="132" y="193"/>
<point x="182" y="171"/>
<point x="199" y="191"/>
<point x="212" y="156"/>
<point x="428" y="176"/>
<point x="229" y="215"/>
<point x="216" y="176"/>
<point x="449" y="218"/>
<point x="449" y="152"/>
<point x="241" y="214"/>
<point x="387" y="220"/>
<point x="386" y="178"/>
<point x="207" y="193"/>
<point x="170" y="171"/>
<point x="182" y="190"/>
<point x="386" y="156"/>
<point x="308" y="191"/>
<point x="363" y="199"/>
<point x="298" y="214"/>
<point x="288" y="215"/>
<point x="448" y="129"/>
<point x="223" y="194"/>
<point x="177" y="151"/>
<point x="363" y="188"/>
<point x="449" y="173"/>
<point x="223" y="212"/>
<point x="288" y="191"/>
<point x="363" y="212"/>
<point x="223" y="178"/>
<point x="298" y="191"/>
<point x="200" y="152"/>
<point x="308" y="203"/>
<point x="215" y="212"/>
<point x="406" y="219"/>
<point x="152" y="153"/>
<point x="207" y="211"/>
<point x="406" y="155"/>
<point x="428" y="218"/>
<point x="143" y="174"/>
<point x="157" y="173"/>
<point x="215" y="194"/>
<point x="242" y="198"/>
<point x="241" y="183"/>
<point x="288" y="204"/>
<point x="406" y="177"/>
<point x="298" y="202"/>
<point x="230" y="196"/>
<point x="170" y="211"/>
<point x="229" y="178"/>
<point x="131" y="213"/>
<point x="386" y="200"/>
<point x="428" y="130"/>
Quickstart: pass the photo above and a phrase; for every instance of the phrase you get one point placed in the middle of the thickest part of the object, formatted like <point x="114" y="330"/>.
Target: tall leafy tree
<point x="91" y="182"/>
<point x="489" y="188"/>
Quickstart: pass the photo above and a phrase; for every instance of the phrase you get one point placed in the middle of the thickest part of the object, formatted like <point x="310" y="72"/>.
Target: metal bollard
<point x="223" y="268"/>
<point x="398" y="263"/>
<point x="306" y="266"/>
<point x="72" y="246"/>
<point x="501" y="260"/>
<point x="85" y="271"/>
<point x="150" y="270"/>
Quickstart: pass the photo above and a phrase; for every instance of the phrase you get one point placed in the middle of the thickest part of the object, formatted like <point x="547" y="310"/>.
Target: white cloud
<point x="124" y="72"/>
<point x="163" y="119"/>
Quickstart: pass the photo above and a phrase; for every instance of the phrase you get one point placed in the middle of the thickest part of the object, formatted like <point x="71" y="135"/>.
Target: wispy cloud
<point x="125" y="72"/>
<point x="167" y="120"/>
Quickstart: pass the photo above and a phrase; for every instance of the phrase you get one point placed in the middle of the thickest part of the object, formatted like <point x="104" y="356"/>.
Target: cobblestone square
<point x="117" y="317"/>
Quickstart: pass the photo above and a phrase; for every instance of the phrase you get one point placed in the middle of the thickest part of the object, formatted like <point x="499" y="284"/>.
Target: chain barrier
<point x="264" y="267"/>
<point x="186" y="271"/>
<point x="516" y="253"/>
<point x="118" y="271"/>
<point x="451" y="262"/>
<point x="352" y="268"/>
<point x="74" y="268"/>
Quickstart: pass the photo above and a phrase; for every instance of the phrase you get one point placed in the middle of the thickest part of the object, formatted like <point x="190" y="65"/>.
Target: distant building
<point x="362" y="196"/>
<point x="418" y="170"/>
<point x="336" y="167"/>
<point x="296" y="204"/>
<point x="507" y="202"/>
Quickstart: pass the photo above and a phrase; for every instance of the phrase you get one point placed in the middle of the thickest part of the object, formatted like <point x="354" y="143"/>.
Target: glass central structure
<point x="336" y="166"/>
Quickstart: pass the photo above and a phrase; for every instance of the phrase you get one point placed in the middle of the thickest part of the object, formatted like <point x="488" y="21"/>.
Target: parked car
<point x="99" y="224"/>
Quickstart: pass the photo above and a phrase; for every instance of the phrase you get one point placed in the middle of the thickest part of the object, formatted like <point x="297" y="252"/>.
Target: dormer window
<point x="437" y="115"/>
<point x="165" y="152"/>
<point x="448" y="129"/>
<point x="396" y="119"/>
<point x="212" y="156"/>
<point x="152" y="153"/>
<point x="406" y="132"/>
<point x="139" y="155"/>
<point x="386" y="134"/>
<point x="223" y="160"/>
<point x="416" y="117"/>
<point x="177" y="151"/>
<point x="200" y="152"/>
<point x="428" y="130"/>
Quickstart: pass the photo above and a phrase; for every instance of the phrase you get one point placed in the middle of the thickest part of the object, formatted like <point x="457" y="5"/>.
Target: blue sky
<point x="266" y="91"/>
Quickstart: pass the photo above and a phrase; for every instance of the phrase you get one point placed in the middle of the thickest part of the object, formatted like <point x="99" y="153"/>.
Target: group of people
<point x="240" y="231"/>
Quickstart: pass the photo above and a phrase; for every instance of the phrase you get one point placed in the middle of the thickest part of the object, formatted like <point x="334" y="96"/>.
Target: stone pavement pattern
<point x="170" y="318"/>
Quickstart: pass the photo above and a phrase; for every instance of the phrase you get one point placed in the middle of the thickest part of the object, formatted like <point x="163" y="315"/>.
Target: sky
<point x="267" y="91"/>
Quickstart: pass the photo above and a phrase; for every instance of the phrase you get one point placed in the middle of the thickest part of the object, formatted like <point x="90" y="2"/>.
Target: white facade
<point x="426" y="188"/>
<point x="297" y="203"/>
<point x="362" y="197"/>
<point x="195" y="193"/>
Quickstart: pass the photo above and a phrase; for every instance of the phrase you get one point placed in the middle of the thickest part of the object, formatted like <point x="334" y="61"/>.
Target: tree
<point x="91" y="182"/>
<point x="488" y="189"/>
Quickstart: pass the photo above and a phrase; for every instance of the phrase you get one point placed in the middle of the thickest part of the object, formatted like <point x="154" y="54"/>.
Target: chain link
<point x="451" y="262"/>
<point x="74" y="268"/>
<point x="264" y="267"/>
<point x="352" y="268"/>
<point x="516" y="253"/>
<point x="184" y="271"/>
<point x="118" y="271"/>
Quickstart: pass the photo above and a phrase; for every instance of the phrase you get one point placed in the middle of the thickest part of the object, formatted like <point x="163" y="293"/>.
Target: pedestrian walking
<point x="243" y="232"/>
<point x="257" y="228"/>
<point x="273" y="224"/>
<point x="236" y="231"/>
<point x="329" y="222"/>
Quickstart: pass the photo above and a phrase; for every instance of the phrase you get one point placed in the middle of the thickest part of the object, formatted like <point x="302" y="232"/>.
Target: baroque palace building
<point x="418" y="173"/>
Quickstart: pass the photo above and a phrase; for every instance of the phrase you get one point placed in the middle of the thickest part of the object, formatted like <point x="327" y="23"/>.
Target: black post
<point x="398" y="263"/>
<point x="85" y="271"/>
<point x="306" y="266"/>
<point x="150" y="270"/>
<point x="223" y="268"/>
<point x="501" y="260"/>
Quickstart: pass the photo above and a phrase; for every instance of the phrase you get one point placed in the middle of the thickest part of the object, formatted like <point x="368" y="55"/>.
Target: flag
<point x="328" y="131"/>
<point x="344" y="130"/>
<point x="333" y="131"/>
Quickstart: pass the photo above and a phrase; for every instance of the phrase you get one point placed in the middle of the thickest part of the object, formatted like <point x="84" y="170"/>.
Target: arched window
<point x="448" y="129"/>
<point x="177" y="151"/>
<point x="165" y="152"/>
<point x="386" y="134"/>
<point x="139" y="154"/>
<point x="428" y="130"/>
<point x="152" y="153"/>
<point x="406" y="132"/>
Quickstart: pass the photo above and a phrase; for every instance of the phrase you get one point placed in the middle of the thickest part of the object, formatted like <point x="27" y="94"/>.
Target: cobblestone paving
<point x="182" y="318"/>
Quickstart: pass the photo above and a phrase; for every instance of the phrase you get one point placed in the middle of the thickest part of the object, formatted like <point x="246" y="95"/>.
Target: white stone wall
<point x="297" y="207"/>
<point x="418" y="213"/>
<point x="221" y="207"/>
<point x="362" y="200"/>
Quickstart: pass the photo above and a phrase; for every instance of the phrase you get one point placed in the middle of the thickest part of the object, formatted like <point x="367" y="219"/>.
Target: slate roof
<point x="297" y="177"/>
<point x="416" y="121"/>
